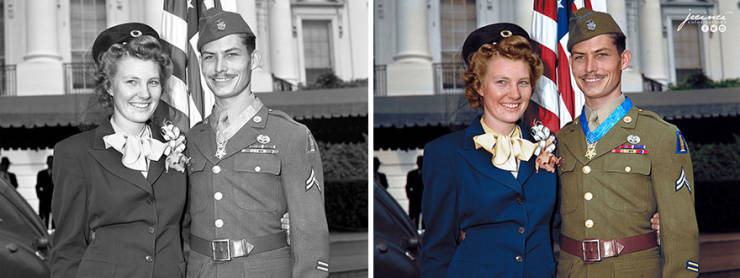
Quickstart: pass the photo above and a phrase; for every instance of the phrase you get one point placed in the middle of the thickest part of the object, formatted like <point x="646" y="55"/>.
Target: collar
<point x="604" y="111"/>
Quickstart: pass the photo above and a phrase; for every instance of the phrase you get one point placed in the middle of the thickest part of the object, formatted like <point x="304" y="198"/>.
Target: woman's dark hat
<point x="492" y="33"/>
<point x="122" y="33"/>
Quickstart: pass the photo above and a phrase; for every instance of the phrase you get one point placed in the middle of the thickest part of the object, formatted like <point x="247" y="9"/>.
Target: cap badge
<point x="135" y="33"/>
<point x="505" y="33"/>
<point x="633" y="139"/>
<point x="220" y="25"/>
<point x="590" y="25"/>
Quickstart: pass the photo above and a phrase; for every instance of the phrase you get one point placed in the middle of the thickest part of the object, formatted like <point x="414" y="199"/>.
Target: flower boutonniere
<point x="175" y="146"/>
<point x="545" y="146"/>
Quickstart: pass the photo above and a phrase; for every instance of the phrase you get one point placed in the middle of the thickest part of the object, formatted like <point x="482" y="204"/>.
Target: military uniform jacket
<point x="617" y="193"/>
<point x="271" y="166"/>
<point x="505" y="221"/>
<point x="111" y="221"/>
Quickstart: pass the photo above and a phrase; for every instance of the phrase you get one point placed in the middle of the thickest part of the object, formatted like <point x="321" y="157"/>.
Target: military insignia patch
<point x="681" y="146"/>
<point x="683" y="181"/>
<point x="312" y="181"/>
<point x="633" y="139"/>
<point x="310" y="143"/>
<point x="220" y="25"/>
<point x="692" y="266"/>
<point x="320" y="265"/>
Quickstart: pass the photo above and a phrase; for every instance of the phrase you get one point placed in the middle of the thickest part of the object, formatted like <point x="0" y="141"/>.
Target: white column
<point x="411" y="72"/>
<point x="42" y="57"/>
<point x="283" y="50"/>
<point x="257" y="18"/>
<point x="631" y="78"/>
<point x="729" y="39"/>
<point x="651" y="42"/>
<point x="523" y="11"/>
<point x="153" y="13"/>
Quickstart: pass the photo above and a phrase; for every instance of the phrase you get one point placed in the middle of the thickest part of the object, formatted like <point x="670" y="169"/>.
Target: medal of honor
<point x="591" y="150"/>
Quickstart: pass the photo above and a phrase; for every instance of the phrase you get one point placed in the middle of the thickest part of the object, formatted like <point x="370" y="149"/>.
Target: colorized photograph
<point x="560" y="138"/>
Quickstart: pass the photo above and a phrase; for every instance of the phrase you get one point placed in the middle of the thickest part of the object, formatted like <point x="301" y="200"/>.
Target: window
<point x="317" y="50"/>
<point x="87" y="19"/>
<point x="686" y="50"/>
<point x="457" y="21"/>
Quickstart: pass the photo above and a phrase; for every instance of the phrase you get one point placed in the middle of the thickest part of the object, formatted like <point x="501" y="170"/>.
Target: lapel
<point x="156" y="167"/>
<point x="204" y="138"/>
<point x="480" y="159"/>
<point x="576" y="141"/>
<point x="617" y="135"/>
<point x="526" y="168"/>
<point x="247" y="134"/>
<point x="110" y="159"/>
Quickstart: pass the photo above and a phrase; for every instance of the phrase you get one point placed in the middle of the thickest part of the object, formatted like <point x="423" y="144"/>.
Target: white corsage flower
<point x="175" y="146"/>
<point x="545" y="147"/>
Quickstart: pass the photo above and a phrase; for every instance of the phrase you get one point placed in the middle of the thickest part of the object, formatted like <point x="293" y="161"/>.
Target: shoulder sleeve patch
<point x="310" y="142"/>
<point x="681" y="146"/>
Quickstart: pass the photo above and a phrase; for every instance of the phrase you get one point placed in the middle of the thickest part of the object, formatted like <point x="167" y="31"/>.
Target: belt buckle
<point x="221" y="254"/>
<point x="598" y="250"/>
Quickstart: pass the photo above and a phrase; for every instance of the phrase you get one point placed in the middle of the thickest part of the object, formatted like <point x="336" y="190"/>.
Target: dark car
<point x="24" y="242"/>
<point x="396" y="241"/>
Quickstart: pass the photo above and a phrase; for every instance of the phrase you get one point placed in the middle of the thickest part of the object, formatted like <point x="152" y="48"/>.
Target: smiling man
<point x="620" y="165"/>
<point x="250" y="165"/>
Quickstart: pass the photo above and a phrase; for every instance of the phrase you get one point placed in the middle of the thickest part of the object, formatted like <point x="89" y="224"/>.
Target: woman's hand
<point x="547" y="161"/>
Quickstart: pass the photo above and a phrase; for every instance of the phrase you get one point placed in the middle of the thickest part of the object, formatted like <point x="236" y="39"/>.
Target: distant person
<point x="379" y="177"/>
<point x="7" y="176"/>
<point x="44" y="189"/>
<point x="414" y="191"/>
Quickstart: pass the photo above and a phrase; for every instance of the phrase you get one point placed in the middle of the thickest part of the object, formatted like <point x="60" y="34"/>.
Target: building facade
<point x="417" y="45"/>
<point x="45" y="49"/>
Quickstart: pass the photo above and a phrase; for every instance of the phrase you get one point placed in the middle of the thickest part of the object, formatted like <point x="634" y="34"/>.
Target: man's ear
<point x="255" y="60"/>
<point x="626" y="57"/>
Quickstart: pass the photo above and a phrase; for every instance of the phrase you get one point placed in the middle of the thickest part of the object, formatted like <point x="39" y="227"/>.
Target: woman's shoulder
<point x="75" y="144"/>
<point x="446" y="143"/>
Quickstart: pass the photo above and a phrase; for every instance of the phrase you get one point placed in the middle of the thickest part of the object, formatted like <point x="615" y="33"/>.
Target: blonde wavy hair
<point x="515" y="48"/>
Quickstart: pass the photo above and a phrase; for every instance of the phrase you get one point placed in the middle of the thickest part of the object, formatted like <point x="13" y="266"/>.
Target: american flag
<point x="558" y="98"/>
<point x="186" y="92"/>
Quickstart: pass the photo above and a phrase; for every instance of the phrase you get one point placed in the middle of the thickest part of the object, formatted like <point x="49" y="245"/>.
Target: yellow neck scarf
<point x="506" y="150"/>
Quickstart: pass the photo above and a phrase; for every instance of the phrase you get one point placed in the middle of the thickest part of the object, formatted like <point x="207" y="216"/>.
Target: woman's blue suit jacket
<point x="481" y="221"/>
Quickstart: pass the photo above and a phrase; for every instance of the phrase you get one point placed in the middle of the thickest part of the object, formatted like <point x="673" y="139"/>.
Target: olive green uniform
<point x="613" y="196"/>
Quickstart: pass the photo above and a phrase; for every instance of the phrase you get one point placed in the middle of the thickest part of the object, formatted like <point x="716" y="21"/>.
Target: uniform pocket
<point x="568" y="177"/>
<point x="96" y="269"/>
<point x="261" y="187"/>
<point x="627" y="185"/>
<point x="199" y="184"/>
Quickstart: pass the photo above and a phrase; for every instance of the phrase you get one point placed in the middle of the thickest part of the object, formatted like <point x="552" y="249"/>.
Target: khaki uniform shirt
<point x="271" y="166"/>
<point x="613" y="195"/>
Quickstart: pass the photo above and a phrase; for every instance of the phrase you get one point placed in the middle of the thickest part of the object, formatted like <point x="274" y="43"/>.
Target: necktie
<point x="593" y="120"/>
<point x="135" y="149"/>
<point x="505" y="149"/>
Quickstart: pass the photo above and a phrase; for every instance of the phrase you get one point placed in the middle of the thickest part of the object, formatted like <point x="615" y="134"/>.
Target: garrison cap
<point x="217" y="24"/>
<point x="491" y="33"/>
<point x="586" y="24"/>
<point x="121" y="33"/>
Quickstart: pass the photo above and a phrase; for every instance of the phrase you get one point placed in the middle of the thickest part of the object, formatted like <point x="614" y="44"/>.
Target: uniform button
<point x="588" y="196"/>
<point x="521" y="230"/>
<point x="257" y="119"/>
<point x="627" y="119"/>
<point x="148" y="259"/>
<point x="150" y="200"/>
<point x="519" y="259"/>
<point x="218" y="196"/>
<point x="519" y="200"/>
<point x="151" y="230"/>
<point x="216" y="169"/>
<point x="219" y="223"/>
<point x="627" y="169"/>
<point x="589" y="223"/>
<point x="257" y="169"/>
<point x="586" y="169"/>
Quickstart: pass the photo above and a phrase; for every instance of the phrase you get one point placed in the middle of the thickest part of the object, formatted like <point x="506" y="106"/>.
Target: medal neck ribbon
<point x="605" y="126"/>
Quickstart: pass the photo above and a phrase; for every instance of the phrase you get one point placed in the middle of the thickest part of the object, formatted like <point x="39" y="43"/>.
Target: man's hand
<point x="285" y="225"/>
<point x="655" y="224"/>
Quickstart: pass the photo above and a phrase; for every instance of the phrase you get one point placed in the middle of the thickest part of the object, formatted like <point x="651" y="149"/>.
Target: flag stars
<point x="190" y="4"/>
<point x="560" y="4"/>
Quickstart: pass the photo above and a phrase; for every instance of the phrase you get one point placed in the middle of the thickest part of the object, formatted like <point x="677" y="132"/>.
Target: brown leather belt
<point x="594" y="250"/>
<point x="223" y="250"/>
